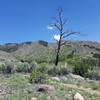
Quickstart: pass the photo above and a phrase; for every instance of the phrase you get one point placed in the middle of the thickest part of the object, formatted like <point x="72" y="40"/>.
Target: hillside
<point x="4" y="56"/>
<point x="27" y="71"/>
<point x="43" y="49"/>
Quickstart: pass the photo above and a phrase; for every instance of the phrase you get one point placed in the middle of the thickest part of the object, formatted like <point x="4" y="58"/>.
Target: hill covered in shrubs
<point x="79" y="57"/>
<point x="30" y="64"/>
<point x="42" y="49"/>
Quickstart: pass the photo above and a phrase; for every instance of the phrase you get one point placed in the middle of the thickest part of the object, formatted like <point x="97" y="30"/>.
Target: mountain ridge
<point x="43" y="49"/>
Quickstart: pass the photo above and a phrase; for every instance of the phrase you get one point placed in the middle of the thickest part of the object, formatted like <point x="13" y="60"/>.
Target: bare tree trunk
<point x="58" y="53"/>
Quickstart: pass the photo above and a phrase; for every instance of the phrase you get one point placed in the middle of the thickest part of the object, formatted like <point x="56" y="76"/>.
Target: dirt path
<point x="88" y="90"/>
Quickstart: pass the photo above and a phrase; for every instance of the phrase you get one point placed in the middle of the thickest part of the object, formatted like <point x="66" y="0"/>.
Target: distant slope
<point x="11" y="47"/>
<point x="84" y="47"/>
<point x="43" y="49"/>
<point x="4" y="56"/>
<point x="38" y="51"/>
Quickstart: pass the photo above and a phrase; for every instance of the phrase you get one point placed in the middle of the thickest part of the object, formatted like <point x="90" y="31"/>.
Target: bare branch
<point x="60" y="11"/>
<point x="65" y="22"/>
<point x="65" y="32"/>
<point x="71" y="33"/>
<point x="57" y="21"/>
<point x="57" y="27"/>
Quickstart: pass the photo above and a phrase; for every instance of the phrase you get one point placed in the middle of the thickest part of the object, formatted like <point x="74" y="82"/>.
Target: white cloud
<point x="50" y="27"/>
<point x="56" y="37"/>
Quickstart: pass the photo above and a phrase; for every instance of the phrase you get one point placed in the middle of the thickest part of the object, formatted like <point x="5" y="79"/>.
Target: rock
<point x="78" y="96"/>
<point x="92" y="81"/>
<point x="34" y="98"/>
<point x="63" y="78"/>
<point x="76" y="76"/>
<point x="45" y="88"/>
<point x="56" y="78"/>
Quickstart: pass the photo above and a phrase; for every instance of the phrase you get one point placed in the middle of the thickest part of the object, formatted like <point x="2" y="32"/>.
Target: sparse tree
<point x="59" y="24"/>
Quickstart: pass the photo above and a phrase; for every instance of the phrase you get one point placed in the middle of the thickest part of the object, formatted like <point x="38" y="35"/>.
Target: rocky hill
<point x="43" y="49"/>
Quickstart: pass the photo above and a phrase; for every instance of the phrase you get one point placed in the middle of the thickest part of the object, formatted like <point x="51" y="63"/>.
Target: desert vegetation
<point x="27" y="75"/>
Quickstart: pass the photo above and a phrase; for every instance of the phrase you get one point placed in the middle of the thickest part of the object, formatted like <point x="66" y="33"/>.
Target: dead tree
<point x="59" y="24"/>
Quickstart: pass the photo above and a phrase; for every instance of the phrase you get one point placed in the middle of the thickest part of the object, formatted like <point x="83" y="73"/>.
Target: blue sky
<point x="27" y="20"/>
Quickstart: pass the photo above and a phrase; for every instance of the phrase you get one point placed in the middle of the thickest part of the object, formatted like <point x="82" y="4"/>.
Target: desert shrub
<point x="22" y="67"/>
<point x="42" y="68"/>
<point x="90" y="61"/>
<point x="19" y="66"/>
<point x="93" y="75"/>
<point x="28" y="59"/>
<point x="72" y="61"/>
<point x="58" y="70"/>
<point x="7" y="67"/>
<point x="63" y="71"/>
<point x="96" y="55"/>
<point x="81" y="68"/>
<point x="53" y="71"/>
<point x="86" y="60"/>
<point x="41" y="59"/>
<point x="26" y="67"/>
<point x="33" y="66"/>
<point x="1" y="64"/>
<point x="38" y="74"/>
<point x="37" y="77"/>
<point x="2" y="67"/>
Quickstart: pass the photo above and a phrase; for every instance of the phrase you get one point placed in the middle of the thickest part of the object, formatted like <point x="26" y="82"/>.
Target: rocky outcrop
<point x="73" y="76"/>
<point x="34" y="98"/>
<point x="78" y="96"/>
<point x="56" y="78"/>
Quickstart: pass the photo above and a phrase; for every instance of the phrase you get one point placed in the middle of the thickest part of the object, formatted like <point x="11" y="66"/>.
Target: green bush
<point x="58" y="70"/>
<point x="90" y="61"/>
<point x="33" y="66"/>
<point x="22" y="67"/>
<point x="2" y="67"/>
<point x="1" y="64"/>
<point x="37" y="77"/>
<point x="81" y="69"/>
<point x="26" y="67"/>
<point x="53" y="71"/>
<point x="19" y="67"/>
<point x="96" y="55"/>
<point x="7" y="67"/>
<point x="63" y="71"/>
<point x="93" y="75"/>
<point x="42" y="68"/>
<point x="72" y="61"/>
